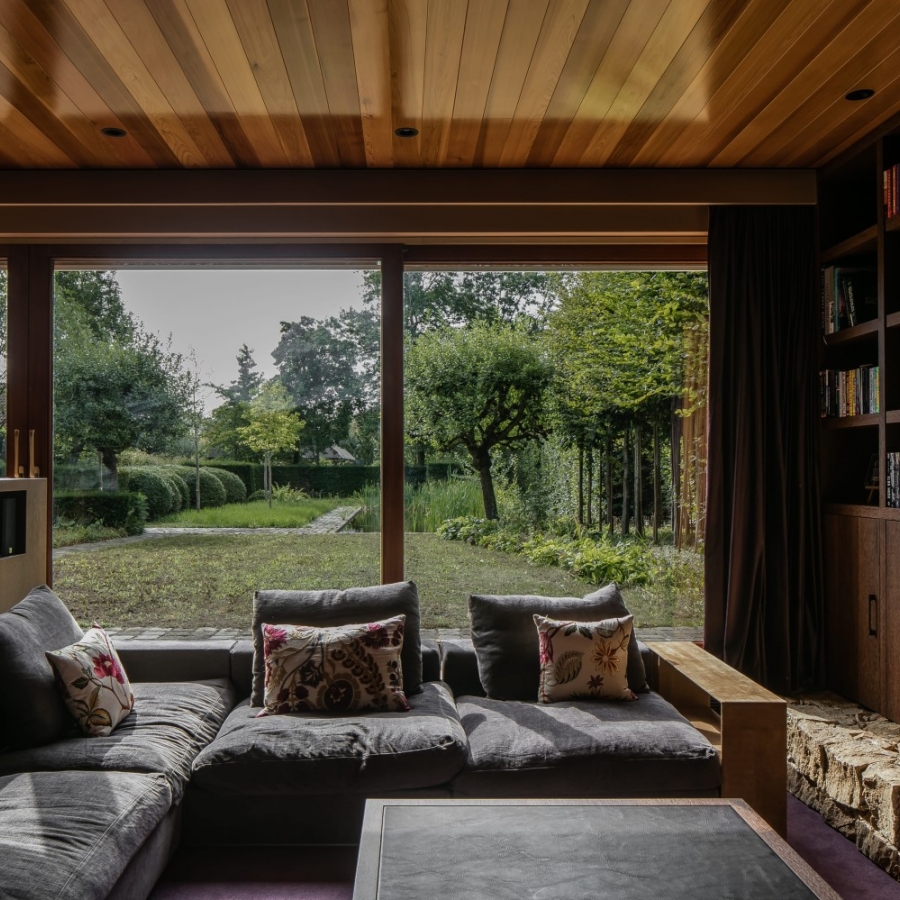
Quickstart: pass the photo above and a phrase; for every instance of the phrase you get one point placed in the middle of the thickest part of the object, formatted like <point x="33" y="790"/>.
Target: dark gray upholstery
<point x="71" y="835"/>
<point x="242" y="668"/>
<point x="325" y="609"/>
<point x="31" y="708"/>
<point x="146" y="866"/>
<point x="169" y="725"/>
<point x="307" y="753"/>
<point x="506" y="641"/>
<point x="583" y="749"/>
<point x="459" y="667"/>
<point x="174" y="661"/>
<point x="431" y="661"/>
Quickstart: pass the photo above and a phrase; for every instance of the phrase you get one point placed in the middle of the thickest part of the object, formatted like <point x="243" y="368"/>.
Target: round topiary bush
<point x="211" y="491"/>
<point x="177" y="488"/>
<point x="235" y="491"/>
<point x="160" y="499"/>
<point x="257" y="495"/>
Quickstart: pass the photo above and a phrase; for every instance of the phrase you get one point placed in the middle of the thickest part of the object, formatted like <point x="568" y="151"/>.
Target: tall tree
<point x="481" y="387"/>
<point x="221" y="428"/>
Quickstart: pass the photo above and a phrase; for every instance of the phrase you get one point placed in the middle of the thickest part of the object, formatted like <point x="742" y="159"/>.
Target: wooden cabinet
<point x="24" y="564"/>
<point x="890" y="623"/>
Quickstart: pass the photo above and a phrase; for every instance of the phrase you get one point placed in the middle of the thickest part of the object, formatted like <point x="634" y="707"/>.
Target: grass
<point x="193" y="581"/>
<point x="69" y="533"/>
<point x="256" y="514"/>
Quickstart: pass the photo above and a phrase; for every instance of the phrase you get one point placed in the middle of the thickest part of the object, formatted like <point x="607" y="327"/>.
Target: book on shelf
<point x="853" y="392"/>
<point x="890" y="191"/>
<point x="893" y="480"/>
<point x="849" y="296"/>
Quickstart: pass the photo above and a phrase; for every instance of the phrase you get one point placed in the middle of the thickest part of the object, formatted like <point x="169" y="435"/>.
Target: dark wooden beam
<point x="543" y="256"/>
<point x="393" y="470"/>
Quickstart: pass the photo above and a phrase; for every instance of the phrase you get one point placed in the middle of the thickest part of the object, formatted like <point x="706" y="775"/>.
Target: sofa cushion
<point x="317" y="753"/>
<point x="583" y="749"/>
<point x="506" y="642"/>
<point x="169" y="726"/>
<point x="32" y="711"/>
<point x="71" y="834"/>
<point x="325" y="609"/>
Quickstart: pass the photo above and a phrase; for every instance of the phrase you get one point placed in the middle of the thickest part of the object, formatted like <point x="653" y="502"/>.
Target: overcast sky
<point x="214" y="311"/>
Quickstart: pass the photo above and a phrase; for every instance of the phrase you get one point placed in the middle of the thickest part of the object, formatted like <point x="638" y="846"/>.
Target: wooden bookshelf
<point x="861" y="533"/>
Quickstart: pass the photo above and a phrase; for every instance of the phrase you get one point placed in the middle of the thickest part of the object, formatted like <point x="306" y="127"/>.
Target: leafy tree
<point x="483" y="387"/>
<point x="221" y="428"/>
<point x="248" y="383"/>
<point x="98" y="296"/>
<point x="274" y="427"/>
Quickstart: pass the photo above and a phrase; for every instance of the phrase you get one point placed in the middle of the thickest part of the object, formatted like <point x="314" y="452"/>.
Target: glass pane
<point x="229" y="419"/>
<point x="542" y="410"/>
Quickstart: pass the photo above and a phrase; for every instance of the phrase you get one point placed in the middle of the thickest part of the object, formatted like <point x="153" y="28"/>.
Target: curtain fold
<point x="764" y="597"/>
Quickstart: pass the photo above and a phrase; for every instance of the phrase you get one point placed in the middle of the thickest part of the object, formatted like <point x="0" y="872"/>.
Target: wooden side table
<point x="746" y="723"/>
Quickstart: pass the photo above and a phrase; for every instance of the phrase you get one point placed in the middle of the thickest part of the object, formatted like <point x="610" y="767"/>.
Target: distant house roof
<point x="334" y="453"/>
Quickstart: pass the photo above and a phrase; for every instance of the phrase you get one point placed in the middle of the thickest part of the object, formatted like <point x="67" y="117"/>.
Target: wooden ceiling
<point x="488" y="83"/>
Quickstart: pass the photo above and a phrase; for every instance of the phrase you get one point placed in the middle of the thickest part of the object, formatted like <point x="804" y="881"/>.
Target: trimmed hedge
<point x="235" y="492"/>
<point x="114" y="509"/>
<point x="161" y="497"/>
<point x="181" y="496"/>
<point x="211" y="491"/>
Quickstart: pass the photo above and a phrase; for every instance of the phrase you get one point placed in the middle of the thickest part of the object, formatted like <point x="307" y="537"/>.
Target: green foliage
<point x="256" y="514"/>
<point x="273" y="426"/>
<point x="212" y="493"/>
<point x="284" y="493"/>
<point x="181" y="496"/>
<point x="111" y="509"/>
<point x="66" y="533"/>
<point x="235" y="492"/>
<point x="161" y="497"/>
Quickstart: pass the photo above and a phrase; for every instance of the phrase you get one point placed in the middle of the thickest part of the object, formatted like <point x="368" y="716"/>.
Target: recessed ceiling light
<point x="860" y="94"/>
<point x="113" y="132"/>
<point x="406" y="131"/>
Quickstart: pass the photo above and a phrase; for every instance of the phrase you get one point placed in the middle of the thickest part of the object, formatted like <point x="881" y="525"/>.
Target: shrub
<point x="212" y="493"/>
<point x="235" y="491"/>
<point x="180" y="494"/>
<point x="287" y="494"/>
<point x="256" y="495"/>
<point x="161" y="498"/>
<point x="111" y="509"/>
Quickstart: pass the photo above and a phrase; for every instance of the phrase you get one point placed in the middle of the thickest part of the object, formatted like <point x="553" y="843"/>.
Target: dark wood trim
<point x="17" y="356"/>
<point x="540" y="256"/>
<point x="833" y="165"/>
<point x="408" y="187"/>
<point x="393" y="471"/>
<point x="221" y="255"/>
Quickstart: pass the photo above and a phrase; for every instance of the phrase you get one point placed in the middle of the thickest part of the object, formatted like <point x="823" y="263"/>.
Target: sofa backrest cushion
<point x="325" y="609"/>
<point x="506" y="641"/>
<point x="32" y="711"/>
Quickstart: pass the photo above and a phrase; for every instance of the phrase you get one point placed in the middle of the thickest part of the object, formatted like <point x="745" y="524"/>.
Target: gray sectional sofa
<point x="100" y="817"/>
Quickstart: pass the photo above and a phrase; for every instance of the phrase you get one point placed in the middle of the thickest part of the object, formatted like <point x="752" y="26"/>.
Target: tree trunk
<point x="482" y="462"/>
<point x="589" y="519"/>
<point x="610" y="516"/>
<point x="267" y="477"/>
<point x="638" y="484"/>
<point x="420" y="455"/>
<point x="197" y="465"/>
<point x="657" y="489"/>
<point x="626" y="475"/>
<point x="111" y="461"/>
<point x="579" y="515"/>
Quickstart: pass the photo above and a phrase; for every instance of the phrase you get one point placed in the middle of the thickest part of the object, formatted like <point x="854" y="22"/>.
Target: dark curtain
<point x="764" y="599"/>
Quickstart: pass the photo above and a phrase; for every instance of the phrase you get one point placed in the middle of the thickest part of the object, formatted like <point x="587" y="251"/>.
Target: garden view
<point x="555" y="441"/>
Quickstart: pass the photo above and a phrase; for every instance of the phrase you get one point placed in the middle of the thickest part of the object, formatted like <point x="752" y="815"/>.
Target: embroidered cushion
<point x="350" y="667"/>
<point x="93" y="683"/>
<point x="584" y="660"/>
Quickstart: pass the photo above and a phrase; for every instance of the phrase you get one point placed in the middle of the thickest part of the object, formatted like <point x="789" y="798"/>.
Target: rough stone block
<point x="847" y="756"/>
<point x="881" y="790"/>
<point x="805" y="738"/>
<point x="883" y="853"/>
<point x="842" y="820"/>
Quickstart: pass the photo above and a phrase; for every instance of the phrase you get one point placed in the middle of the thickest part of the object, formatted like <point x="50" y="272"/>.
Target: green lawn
<point x="208" y="580"/>
<point x="256" y="514"/>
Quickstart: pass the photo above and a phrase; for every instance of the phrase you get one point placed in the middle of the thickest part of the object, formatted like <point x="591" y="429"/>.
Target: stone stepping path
<point x="330" y="523"/>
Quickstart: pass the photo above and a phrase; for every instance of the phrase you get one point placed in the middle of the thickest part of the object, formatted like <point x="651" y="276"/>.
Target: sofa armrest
<point x="651" y="668"/>
<point x="173" y="661"/>
<point x="459" y="667"/>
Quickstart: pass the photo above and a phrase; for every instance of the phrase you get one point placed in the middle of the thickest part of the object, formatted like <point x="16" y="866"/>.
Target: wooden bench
<point x="746" y="723"/>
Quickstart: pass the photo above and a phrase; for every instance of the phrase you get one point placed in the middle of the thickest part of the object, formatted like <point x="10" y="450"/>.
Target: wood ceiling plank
<point x="334" y="43"/>
<point x="443" y="49"/>
<point x="257" y="33"/>
<point x="787" y="47"/>
<point x="28" y="142"/>
<point x="634" y="31"/>
<point x="521" y="30"/>
<point x="688" y="110"/>
<point x="484" y="27"/>
<point x="370" y="31"/>
<point x="139" y="26"/>
<point x="177" y="25"/>
<point x="714" y="25"/>
<point x="408" y="24"/>
<point x="102" y="28"/>
<point x="558" y="33"/>
<point x="661" y="50"/>
<point x="844" y="61"/>
<point x="598" y="27"/>
<point x="301" y="58"/>
<point x="217" y="29"/>
<point x="65" y="31"/>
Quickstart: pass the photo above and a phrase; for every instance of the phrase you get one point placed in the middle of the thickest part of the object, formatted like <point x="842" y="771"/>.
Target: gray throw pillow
<point x="506" y="640"/>
<point x="32" y="711"/>
<point x="326" y="609"/>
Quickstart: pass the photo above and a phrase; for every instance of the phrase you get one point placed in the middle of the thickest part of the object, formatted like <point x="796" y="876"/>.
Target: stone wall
<point x="844" y="762"/>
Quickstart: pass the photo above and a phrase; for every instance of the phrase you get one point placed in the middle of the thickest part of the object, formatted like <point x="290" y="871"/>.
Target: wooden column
<point x="392" y="460"/>
<point x="30" y="368"/>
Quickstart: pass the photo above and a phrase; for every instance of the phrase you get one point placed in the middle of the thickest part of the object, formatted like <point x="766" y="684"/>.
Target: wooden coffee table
<point x="576" y="850"/>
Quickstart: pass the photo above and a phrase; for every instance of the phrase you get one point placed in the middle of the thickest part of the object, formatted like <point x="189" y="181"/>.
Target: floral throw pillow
<point x="350" y="667"/>
<point x="584" y="660"/>
<point x="93" y="683"/>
